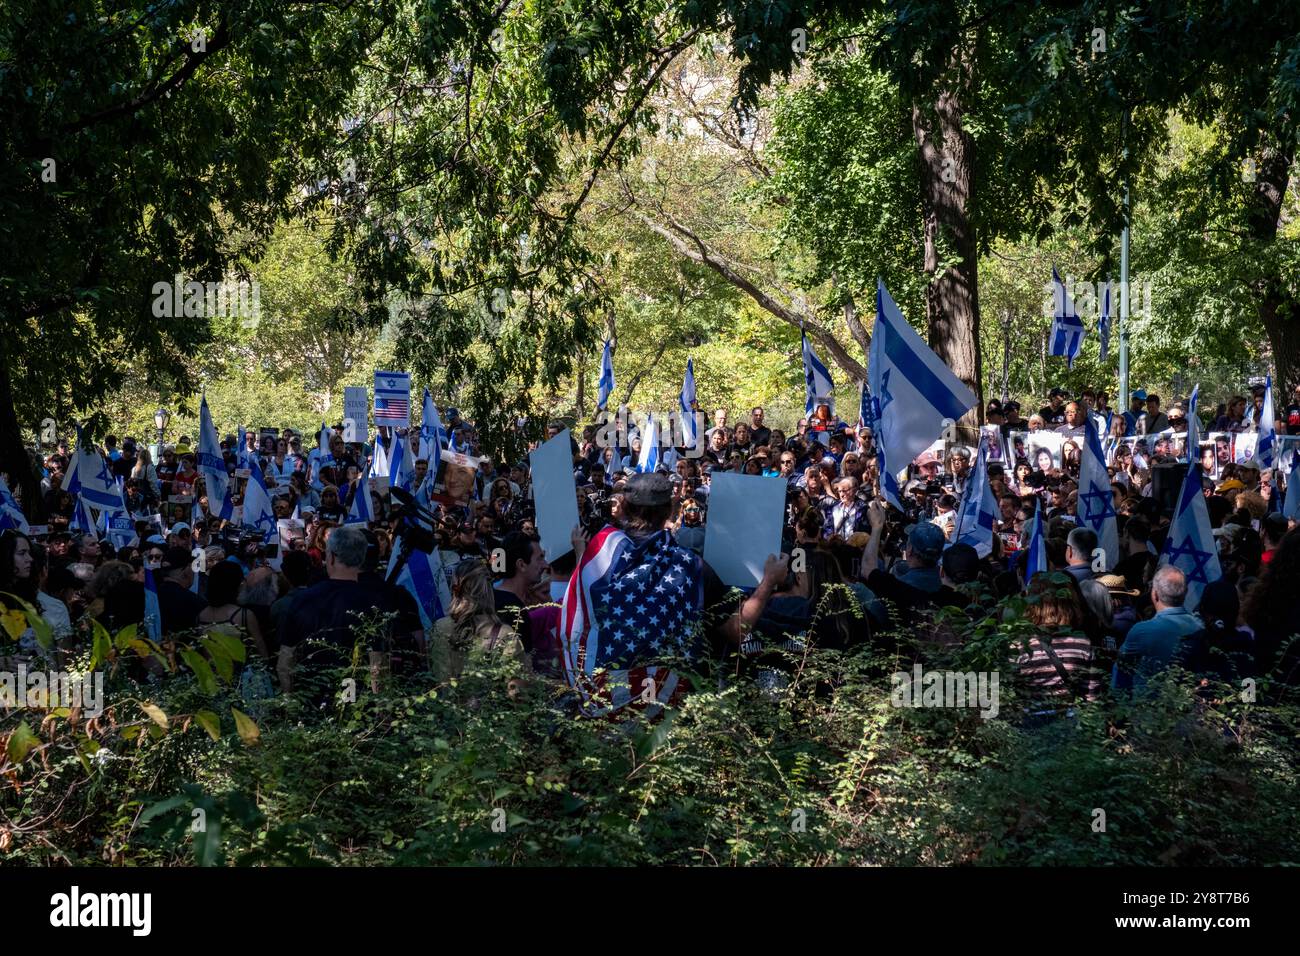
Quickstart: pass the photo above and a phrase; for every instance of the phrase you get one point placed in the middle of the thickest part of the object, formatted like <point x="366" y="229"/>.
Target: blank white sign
<point x="555" y="494"/>
<point x="743" y="526"/>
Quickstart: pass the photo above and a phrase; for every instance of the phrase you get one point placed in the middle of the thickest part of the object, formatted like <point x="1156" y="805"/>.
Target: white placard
<point x="743" y="526"/>
<point x="356" y="406"/>
<point x="555" y="494"/>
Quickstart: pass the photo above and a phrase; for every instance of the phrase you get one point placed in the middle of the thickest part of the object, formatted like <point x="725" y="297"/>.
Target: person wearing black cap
<point x="646" y="595"/>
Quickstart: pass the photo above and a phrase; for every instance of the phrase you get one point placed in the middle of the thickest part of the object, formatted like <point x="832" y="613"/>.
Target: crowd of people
<point x="303" y="601"/>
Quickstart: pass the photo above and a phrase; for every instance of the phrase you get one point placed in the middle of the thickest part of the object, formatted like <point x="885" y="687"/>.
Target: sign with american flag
<point x="629" y="604"/>
<point x="393" y="399"/>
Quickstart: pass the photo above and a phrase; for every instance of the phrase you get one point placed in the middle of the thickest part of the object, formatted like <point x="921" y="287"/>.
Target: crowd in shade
<point x="1142" y="537"/>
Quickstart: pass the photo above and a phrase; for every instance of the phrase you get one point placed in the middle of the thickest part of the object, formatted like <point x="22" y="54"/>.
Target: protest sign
<point x="744" y="526"/>
<point x="356" y="410"/>
<point x="454" y="482"/>
<point x="557" y="505"/>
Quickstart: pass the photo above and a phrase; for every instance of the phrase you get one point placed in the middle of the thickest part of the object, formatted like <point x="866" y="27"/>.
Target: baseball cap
<point x="925" y="540"/>
<point x="961" y="563"/>
<point x="926" y="458"/>
<point x="648" y="490"/>
<point x="1232" y="484"/>
<point x="156" y="539"/>
<point x="179" y="527"/>
<point x="1140" y="393"/>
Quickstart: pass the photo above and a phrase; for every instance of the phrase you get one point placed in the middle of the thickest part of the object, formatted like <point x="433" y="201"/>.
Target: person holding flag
<point x="1096" y="502"/>
<point x="978" y="511"/>
<point x="817" y="379"/>
<point x="686" y="404"/>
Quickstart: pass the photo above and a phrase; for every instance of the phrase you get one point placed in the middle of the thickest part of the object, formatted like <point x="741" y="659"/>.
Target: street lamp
<point x="160" y="419"/>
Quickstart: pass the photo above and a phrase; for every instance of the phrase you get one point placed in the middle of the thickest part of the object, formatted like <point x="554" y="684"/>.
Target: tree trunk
<point x="947" y="155"/>
<point x="1278" y="309"/>
<point x="13" y="450"/>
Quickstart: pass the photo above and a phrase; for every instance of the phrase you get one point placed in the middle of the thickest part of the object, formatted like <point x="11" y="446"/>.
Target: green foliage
<point x="825" y="771"/>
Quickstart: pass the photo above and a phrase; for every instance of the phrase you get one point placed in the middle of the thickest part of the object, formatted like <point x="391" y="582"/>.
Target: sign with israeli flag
<point x="913" y="394"/>
<point x="393" y="399"/>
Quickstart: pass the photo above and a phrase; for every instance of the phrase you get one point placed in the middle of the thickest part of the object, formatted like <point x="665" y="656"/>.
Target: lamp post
<point x="160" y="419"/>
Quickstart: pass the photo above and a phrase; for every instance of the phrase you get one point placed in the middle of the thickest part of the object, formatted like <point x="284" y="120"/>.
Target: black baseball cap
<point x="648" y="490"/>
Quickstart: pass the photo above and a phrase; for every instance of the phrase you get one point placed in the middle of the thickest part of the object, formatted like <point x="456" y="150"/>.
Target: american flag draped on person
<point x="630" y="601"/>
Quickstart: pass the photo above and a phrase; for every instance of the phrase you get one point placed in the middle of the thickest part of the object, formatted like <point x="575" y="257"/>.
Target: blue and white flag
<point x="11" y="516"/>
<point x="89" y="477"/>
<point x="978" y="509"/>
<point x="119" y="526"/>
<point x="320" y="456"/>
<point x="686" y="401"/>
<point x="401" y="464"/>
<point x="212" y="464"/>
<point x="1193" y="426"/>
<point x="605" y="387"/>
<point x="257" y="506"/>
<point x="1067" y="327"/>
<point x="1096" y="503"/>
<point x="393" y="399"/>
<point x="817" y="380"/>
<point x="648" y="460"/>
<point x="913" y="394"/>
<point x="431" y="432"/>
<point x="1036" y="551"/>
<point x="152" y="611"/>
<point x="362" y="509"/>
<point x="1103" y="327"/>
<point x="83" y="519"/>
<point x="1189" y="545"/>
<point x="866" y="416"/>
<point x="241" y="454"/>
<point x="379" y="464"/>
<point x="424" y="577"/>
<point x="1266" y="444"/>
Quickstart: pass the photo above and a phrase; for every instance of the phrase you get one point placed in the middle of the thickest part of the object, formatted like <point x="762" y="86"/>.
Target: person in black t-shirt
<point x="1053" y="414"/>
<point x="759" y="433"/>
<point x="319" y="629"/>
<point x="1293" y="413"/>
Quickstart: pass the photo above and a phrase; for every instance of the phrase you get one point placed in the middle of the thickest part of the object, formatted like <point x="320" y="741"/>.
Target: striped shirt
<point x="1043" y="681"/>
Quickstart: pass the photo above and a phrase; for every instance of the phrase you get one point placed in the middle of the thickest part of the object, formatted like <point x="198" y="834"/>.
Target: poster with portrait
<point x="454" y="482"/>
<point x="1043" y="450"/>
<point x="1209" y="460"/>
<point x="1222" y="450"/>
<point x="1018" y="447"/>
<point x="991" y="435"/>
<point x="1243" y="447"/>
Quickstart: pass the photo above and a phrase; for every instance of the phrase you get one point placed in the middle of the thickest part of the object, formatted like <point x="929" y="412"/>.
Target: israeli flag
<point x="1193" y="426"/>
<point x="241" y="453"/>
<point x="321" y="456"/>
<point x="119" y="526"/>
<point x="401" y="464"/>
<point x="257" y="506"/>
<point x="379" y="463"/>
<point x="362" y="509"/>
<point x="11" y="516"/>
<point x="1096" y="505"/>
<point x="648" y="460"/>
<point x="430" y="435"/>
<point x="152" y="612"/>
<point x="1037" y="550"/>
<point x="212" y="464"/>
<point x="1266" y="444"/>
<point x="978" y="509"/>
<point x="605" y="387"/>
<point x="913" y="394"/>
<point x="687" y="403"/>
<point x="817" y="380"/>
<point x="1067" y="327"/>
<point x="424" y="577"/>
<point x="83" y="519"/>
<point x="1190" y="546"/>
<point x="89" y="478"/>
<point x="866" y="418"/>
<point x="1103" y="327"/>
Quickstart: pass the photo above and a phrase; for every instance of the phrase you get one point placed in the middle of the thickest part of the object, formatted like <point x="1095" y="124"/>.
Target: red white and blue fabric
<point x="629" y="603"/>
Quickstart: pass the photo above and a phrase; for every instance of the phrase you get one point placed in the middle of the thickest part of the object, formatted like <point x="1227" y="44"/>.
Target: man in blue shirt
<point x="1150" y="645"/>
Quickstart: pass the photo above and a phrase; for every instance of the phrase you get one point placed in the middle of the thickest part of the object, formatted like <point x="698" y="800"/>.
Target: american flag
<point x="628" y="604"/>
<point x="393" y="399"/>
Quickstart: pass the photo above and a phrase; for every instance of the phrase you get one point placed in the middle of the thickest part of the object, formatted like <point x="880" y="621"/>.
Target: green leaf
<point x="248" y="731"/>
<point x="230" y="643"/>
<point x="21" y="743"/>
<point x="125" y="638"/>
<point x="202" y="671"/>
<point x="209" y="722"/>
<point x="220" y="660"/>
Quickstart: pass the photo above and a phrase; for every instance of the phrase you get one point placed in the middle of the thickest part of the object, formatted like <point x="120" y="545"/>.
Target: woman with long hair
<point x="1056" y="663"/>
<point x="224" y="610"/>
<point x="22" y="569"/>
<point x="1273" y="613"/>
<point x="145" y="473"/>
<point x="472" y="625"/>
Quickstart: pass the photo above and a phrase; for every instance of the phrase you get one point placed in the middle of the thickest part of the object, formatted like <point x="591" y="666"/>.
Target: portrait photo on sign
<point x="992" y="438"/>
<point x="1243" y="447"/>
<point x="1044" y="450"/>
<point x="1210" y="460"/>
<point x="454" y="482"/>
<point x="1019" y="448"/>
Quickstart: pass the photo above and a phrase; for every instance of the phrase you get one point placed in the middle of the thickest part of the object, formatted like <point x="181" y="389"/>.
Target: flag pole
<point x="1124" y="402"/>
